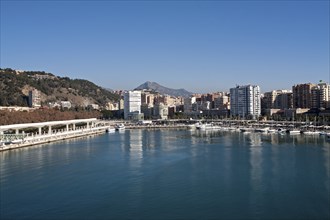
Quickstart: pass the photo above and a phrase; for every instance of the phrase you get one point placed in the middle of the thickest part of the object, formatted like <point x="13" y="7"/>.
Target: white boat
<point x="294" y="131"/>
<point x="311" y="132"/>
<point x="262" y="130"/>
<point x="18" y="141"/>
<point x="120" y="127"/>
<point x="271" y="130"/>
<point x="208" y="127"/>
<point x="281" y="131"/>
<point x="110" y="130"/>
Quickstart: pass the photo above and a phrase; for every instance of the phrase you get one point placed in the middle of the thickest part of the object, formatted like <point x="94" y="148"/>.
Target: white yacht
<point x="120" y="127"/>
<point x="208" y="127"/>
<point x="311" y="132"/>
<point x="110" y="130"/>
<point x="294" y="131"/>
<point x="271" y="130"/>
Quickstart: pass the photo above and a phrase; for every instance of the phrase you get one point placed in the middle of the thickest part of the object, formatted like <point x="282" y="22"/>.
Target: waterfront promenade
<point x="46" y="134"/>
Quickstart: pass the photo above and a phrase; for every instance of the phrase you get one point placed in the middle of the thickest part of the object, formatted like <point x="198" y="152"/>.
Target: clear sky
<point x="201" y="46"/>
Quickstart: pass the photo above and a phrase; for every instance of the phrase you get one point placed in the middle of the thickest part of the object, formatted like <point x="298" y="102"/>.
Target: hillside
<point x="163" y="90"/>
<point x="15" y="86"/>
<point x="43" y="115"/>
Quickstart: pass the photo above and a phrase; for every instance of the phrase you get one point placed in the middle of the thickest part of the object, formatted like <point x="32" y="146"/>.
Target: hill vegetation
<point x="43" y="115"/>
<point x="15" y="85"/>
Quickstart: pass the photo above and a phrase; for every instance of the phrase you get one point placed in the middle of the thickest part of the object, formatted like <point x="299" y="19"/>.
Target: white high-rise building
<point x="245" y="101"/>
<point x="320" y="95"/>
<point x="132" y="104"/>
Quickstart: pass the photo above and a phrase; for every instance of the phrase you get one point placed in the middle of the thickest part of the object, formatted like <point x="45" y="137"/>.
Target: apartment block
<point x="302" y="95"/>
<point x="222" y="101"/>
<point x="188" y="102"/>
<point x="132" y="104"/>
<point x="245" y="101"/>
<point x="320" y="96"/>
<point x="277" y="99"/>
<point x="161" y="111"/>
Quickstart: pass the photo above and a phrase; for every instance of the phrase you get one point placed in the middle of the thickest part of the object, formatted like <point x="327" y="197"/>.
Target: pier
<point x="45" y="132"/>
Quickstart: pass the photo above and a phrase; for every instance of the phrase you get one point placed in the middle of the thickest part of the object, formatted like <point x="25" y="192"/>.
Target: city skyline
<point x="199" y="46"/>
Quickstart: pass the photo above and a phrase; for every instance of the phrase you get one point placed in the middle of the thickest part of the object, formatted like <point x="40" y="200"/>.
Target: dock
<point x="20" y="139"/>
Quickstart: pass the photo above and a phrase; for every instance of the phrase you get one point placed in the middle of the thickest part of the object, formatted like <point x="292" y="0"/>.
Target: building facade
<point x="34" y="98"/>
<point x="132" y="104"/>
<point x="188" y="104"/>
<point x="320" y="95"/>
<point x="302" y="95"/>
<point x="245" y="101"/>
<point x="277" y="99"/>
<point x="222" y="101"/>
<point x="160" y="111"/>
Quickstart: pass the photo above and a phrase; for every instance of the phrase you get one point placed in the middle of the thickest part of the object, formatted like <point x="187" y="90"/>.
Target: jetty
<point x="17" y="136"/>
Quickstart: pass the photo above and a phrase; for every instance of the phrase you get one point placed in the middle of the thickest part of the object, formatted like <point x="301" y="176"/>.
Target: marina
<point x="84" y="127"/>
<point x="169" y="174"/>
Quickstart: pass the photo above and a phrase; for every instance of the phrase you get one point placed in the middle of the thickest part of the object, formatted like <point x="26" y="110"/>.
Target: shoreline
<point x="45" y="139"/>
<point x="58" y="136"/>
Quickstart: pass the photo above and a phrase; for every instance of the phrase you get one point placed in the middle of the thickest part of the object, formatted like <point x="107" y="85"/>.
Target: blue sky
<point x="201" y="46"/>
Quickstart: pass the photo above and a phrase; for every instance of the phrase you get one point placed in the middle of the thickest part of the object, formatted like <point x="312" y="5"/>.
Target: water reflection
<point x="135" y="143"/>
<point x="255" y="140"/>
<point x="256" y="168"/>
<point x="173" y="174"/>
<point x="45" y="155"/>
<point x="327" y="167"/>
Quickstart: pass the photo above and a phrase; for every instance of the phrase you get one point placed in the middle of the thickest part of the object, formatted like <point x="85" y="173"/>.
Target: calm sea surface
<point x="169" y="174"/>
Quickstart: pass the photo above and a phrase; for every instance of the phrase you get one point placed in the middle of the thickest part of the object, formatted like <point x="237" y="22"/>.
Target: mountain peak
<point x="163" y="90"/>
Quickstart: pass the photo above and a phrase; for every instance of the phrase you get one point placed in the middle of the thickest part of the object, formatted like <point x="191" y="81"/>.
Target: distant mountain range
<point x="163" y="90"/>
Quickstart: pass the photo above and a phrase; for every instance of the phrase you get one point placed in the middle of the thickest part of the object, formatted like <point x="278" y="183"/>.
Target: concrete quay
<point x="43" y="139"/>
<point x="73" y="129"/>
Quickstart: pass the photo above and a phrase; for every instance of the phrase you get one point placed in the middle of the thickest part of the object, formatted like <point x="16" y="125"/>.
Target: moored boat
<point x="294" y="131"/>
<point x="248" y="129"/>
<point x="208" y="127"/>
<point x="311" y="132"/>
<point x="271" y="130"/>
<point x="110" y="130"/>
<point x="120" y="127"/>
<point x="262" y="130"/>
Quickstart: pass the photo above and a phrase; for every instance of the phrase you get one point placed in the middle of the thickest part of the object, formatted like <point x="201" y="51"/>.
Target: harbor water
<point x="169" y="174"/>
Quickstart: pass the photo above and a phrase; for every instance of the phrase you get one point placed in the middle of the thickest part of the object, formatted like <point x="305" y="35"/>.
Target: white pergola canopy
<point x="42" y="124"/>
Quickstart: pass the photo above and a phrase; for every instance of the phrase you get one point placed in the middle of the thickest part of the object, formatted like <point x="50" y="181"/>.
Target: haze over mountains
<point x="163" y="90"/>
